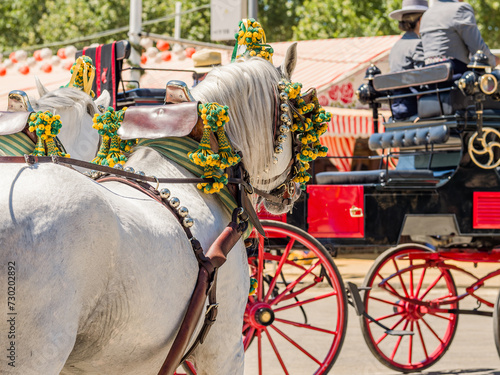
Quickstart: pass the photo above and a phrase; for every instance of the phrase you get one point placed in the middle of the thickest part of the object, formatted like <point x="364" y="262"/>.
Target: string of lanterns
<point x="45" y="60"/>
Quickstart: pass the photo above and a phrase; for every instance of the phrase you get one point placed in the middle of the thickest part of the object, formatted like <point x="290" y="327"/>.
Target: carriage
<point x="433" y="200"/>
<point x="430" y="208"/>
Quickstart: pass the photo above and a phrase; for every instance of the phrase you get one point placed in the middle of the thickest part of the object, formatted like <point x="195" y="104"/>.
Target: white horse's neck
<point x="251" y="111"/>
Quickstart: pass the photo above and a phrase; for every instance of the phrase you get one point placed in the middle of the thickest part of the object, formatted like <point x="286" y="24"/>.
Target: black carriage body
<point x="444" y="200"/>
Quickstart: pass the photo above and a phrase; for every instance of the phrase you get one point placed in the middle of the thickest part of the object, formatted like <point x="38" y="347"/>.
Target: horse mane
<point x="65" y="98"/>
<point x="246" y="87"/>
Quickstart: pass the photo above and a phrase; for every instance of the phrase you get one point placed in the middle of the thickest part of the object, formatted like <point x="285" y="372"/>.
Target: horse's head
<point x="77" y="110"/>
<point x="260" y="123"/>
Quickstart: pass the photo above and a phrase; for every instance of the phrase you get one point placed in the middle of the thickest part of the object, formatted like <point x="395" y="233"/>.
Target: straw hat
<point x="205" y="60"/>
<point x="410" y="6"/>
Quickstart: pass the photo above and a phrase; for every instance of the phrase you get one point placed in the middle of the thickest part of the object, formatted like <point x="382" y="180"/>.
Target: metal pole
<point x="252" y="9"/>
<point x="135" y="26"/>
<point x="177" y="30"/>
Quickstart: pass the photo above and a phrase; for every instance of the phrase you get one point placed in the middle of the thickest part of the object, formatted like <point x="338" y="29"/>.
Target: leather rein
<point x="209" y="262"/>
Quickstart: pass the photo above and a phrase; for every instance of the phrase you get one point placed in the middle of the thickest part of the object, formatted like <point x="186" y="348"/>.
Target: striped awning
<point x="345" y="126"/>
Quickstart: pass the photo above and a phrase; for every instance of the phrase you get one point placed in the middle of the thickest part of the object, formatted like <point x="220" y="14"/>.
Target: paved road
<point x="472" y="351"/>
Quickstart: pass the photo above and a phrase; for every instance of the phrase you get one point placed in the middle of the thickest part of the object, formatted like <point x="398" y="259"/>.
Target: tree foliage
<point x="27" y="23"/>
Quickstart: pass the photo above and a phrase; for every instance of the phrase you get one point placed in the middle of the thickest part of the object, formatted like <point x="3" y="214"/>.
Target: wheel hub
<point x="410" y="310"/>
<point x="260" y="315"/>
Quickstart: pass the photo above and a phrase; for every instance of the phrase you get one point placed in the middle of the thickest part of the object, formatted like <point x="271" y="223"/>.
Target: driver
<point x="407" y="53"/>
<point x="449" y="33"/>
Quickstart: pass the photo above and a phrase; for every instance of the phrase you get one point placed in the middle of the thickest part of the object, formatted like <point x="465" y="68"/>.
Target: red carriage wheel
<point x="496" y="323"/>
<point x="407" y="294"/>
<point x="296" y="321"/>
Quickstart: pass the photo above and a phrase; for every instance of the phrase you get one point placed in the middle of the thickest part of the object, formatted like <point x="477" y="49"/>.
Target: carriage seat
<point x="413" y="77"/>
<point x="379" y="176"/>
<point x="140" y="96"/>
<point x="429" y="105"/>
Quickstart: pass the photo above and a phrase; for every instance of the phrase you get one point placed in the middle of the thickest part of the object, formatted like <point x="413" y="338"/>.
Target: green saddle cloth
<point x="16" y="145"/>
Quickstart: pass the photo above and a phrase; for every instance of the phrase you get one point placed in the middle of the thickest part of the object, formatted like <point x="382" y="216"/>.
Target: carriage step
<point x="399" y="333"/>
<point x="357" y="303"/>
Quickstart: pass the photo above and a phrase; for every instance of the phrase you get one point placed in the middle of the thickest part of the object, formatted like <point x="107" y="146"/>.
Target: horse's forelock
<point x="247" y="89"/>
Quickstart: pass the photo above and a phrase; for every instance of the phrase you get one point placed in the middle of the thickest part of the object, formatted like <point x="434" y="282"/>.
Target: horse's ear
<point x="288" y="65"/>
<point x="103" y="100"/>
<point x="42" y="90"/>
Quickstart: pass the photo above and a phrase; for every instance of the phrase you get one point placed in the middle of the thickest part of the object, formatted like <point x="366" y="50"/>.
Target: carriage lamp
<point x="468" y="83"/>
<point x="366" y="93"/>
<point x="371" y="72"/>
<point x="488" y="83"/>
<point x="479" y="61"/>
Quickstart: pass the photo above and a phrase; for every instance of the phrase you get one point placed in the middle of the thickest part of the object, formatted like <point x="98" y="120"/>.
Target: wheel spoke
<point x="385" y="301"/>
<point x="449" y="318"/>
<point x="432" y="331"/>
<point x="259" y="350"/>
<point x="248" y="338"/>
<point x="385" y="334"/>
<point x="260" y="270"/>
<point x="307" y="326"/>
<point x="391" y="290"/>
<point x="419" y="286"/>
<point x="295" y="293"/>
<point x="290" y="286"/>
<point x="295" y="344"/>
<point x="398" y="341"/>
<point x="276" y="351"/>
<point x="410" y="346"/>
<point x="388" y="316"/>
<point x="422" y="341"/>
<point x="403" y="286"/>
<point x="282" y="261"/>
<point x="300" y="303"/>
<point x="431" y="286"/>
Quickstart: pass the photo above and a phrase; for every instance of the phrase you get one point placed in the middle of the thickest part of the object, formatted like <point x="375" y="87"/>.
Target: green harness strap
<point x="16" y="145"/>
<point x="176" y="149"/>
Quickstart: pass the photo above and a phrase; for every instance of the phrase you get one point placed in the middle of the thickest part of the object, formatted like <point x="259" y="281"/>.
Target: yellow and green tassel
<point x="46" y="127"/>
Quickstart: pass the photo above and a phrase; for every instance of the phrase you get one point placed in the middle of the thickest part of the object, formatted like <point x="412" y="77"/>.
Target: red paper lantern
<point x="24" y="69"/>
<point x="67" y="65"/>
<point x="47" y="68"/>
<point x="37" y="56"/>
<point x="162" y="45"/>
<point x="144" y="58"/>
<point x="61" y="53"/>
<point x="166" y="56"/>
<point x="3" y="71"/>
<point x="189" y="51"/>
<point x="12" y="57"/>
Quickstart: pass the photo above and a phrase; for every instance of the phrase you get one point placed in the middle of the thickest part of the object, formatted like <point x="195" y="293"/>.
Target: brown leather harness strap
<point x="205" y="284"/>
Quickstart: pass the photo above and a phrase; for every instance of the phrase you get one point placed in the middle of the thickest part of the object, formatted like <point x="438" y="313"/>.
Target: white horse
<point x="77" y="110"/>
<point x="101" y="275"/>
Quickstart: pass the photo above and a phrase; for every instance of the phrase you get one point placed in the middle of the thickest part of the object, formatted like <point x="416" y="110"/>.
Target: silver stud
<point x="129" y="169"/>
<point x="288" y="123"/>
<point x="284" y="129"/>
<point x="283" y="96"/>
<point x="275" y="160"/>
<point x="140" y="173"/>
<point x="182" y="211"/>
<point x="282" y="138"/>
<point x="278" y="149"/>
<point x="187" y="222"/>
<point x="282" y="84"/>
<point x="118" y="166"/>
<point x="174" y="202"/>
<point x="284" y="107"/>
<point x="284" y="117"/>
<point x="165" y="193"/>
